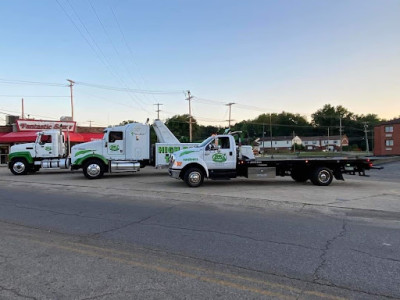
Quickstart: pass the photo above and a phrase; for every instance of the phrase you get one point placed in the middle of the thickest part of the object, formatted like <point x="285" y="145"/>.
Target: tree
<point x="126" y="122"/>
<point x="179" y="126"/>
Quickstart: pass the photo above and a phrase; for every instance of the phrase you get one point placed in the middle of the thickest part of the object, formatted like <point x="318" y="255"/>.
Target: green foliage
<point x="126" y="122"/>
<point x="283" y="124"/>
<point x="297" y="147"/>
<point x="179" y="125"/>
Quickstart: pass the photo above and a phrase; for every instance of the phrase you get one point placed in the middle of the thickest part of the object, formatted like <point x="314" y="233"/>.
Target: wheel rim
<point x="195" y="177"/>
<point x="324" y="176"/>
<point x="19" y="167"/>
<point x="93" y="170"/>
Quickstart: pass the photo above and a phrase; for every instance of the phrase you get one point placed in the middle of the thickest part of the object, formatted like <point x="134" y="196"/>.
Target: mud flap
<point x="338" y="175"/>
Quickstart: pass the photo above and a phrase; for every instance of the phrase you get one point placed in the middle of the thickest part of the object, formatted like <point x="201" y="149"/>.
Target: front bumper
<point x="174" y="173"/>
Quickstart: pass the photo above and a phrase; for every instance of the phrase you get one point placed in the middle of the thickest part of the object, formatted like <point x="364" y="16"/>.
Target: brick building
<point x="387" y="138"/>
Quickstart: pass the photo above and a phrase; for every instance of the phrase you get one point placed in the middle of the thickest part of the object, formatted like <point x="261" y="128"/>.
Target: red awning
<point x="88" y="137"/>
<point x="30" y="136"/>
<point x="84" y="137"/>
<point x="18" y="137"/>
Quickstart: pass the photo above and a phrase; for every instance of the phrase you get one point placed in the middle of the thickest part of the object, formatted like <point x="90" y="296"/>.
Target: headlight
<point x="171" y="161"/>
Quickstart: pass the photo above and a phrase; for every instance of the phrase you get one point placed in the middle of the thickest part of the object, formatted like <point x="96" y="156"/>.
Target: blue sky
<point x="290" y="56"/>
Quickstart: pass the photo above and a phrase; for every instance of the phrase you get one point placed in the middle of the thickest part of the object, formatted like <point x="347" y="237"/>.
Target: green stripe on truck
<point x="80" y="160"/>
<point x="22" y="154"/>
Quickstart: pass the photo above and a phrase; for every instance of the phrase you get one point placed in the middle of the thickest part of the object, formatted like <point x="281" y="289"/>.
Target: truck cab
<point x="29" y="157"/>
<point x="50" y="144"/>
<point x="216" y="157"/>
<point x="123" y="148"/>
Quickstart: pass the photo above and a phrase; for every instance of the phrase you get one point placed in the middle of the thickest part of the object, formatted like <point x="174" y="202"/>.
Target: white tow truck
<point x="124" y="148"/>
<point x="218" y="157"/>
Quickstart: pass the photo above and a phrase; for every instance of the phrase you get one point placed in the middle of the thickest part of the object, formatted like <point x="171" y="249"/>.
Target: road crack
<point x="325" y="250"/>
<point x="233" y="234"/>
<point x="16" y="293"/>
<point x="375" y="256"/>
<point x="97" y="234"/>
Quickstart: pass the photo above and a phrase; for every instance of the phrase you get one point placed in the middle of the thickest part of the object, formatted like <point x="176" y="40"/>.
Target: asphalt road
<point x="77" y="242"/>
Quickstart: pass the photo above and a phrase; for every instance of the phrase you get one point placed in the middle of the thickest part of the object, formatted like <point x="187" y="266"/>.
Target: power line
<point x="19" y="96"/>
<point x="114" y="47"/>
<point x="105" y="61"/>
<point x="140" y="91"/>
<point x="25" y="82"/>
<point x="9" y="112"/>
<point x="130" y="50"/>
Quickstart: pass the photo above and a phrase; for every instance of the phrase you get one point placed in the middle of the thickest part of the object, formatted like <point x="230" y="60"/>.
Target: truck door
<point x="44" y="146"/>
<point x="219" y="154"/>
<point x="116" y="145"/>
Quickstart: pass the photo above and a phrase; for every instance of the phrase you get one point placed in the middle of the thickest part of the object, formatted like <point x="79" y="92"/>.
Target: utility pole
<point x="270" y="132"/>
<point x="366" y="136"/>
<point x="189" y="98"/>
<point x="340" y="130"/>
<point x="23" y="113"/>
<point x="328" y="138"/>
<point x="158" y="110"/>
<point x="90" y="123"/>
<point x="263" y="146"/>
<point x="294" y="144"/>
<point x="230" y="109"/>
<point x="71" y="84"/>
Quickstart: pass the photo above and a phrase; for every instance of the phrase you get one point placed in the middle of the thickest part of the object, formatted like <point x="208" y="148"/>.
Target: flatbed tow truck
<point x="218" y="157"/>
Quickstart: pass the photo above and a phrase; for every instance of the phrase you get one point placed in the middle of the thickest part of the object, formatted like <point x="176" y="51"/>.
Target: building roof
<point x="323" y="137"/>
<point x="275" y="138"/>
<point x="394" y="121"/>
<point x="303" y="138"/>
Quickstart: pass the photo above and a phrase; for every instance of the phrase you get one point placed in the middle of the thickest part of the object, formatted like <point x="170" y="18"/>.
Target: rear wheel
<point x="322" y="176"/>
<point x="19" y="167"/>
<point x="93" y="169"/>
<point x="194" y="177"/>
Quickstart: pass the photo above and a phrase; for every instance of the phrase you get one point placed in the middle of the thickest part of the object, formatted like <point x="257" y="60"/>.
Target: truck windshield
<point x="205" y="142"/>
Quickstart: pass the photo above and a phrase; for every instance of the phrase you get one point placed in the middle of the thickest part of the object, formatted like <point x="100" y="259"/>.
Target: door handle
<point x="230" y="153"/>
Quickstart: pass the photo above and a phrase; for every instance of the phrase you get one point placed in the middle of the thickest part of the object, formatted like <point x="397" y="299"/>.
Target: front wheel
<point x="19" y="167"/>
<point x="322" y="176"/>
<point x="93" y="169"/>
<point x="194" y="177"/>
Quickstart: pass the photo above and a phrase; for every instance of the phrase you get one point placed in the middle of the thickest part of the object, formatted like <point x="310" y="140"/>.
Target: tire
<point x="194" y="177"/>
<point x="93" y="169"/>
<point x="322" y="176"/>
<point x="299" y="175"/>
<point x="19" y="166"/>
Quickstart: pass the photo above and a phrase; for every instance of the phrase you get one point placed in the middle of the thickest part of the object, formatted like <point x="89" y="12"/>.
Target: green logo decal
<point x="219" y="157"/>
<point x="82" y="152"/>
<point x="48" y="148"/>
<point x="186" y="152"/>
<point x="114" y="147"/>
